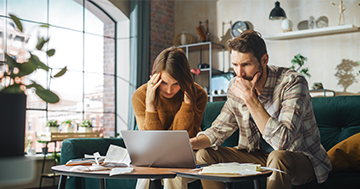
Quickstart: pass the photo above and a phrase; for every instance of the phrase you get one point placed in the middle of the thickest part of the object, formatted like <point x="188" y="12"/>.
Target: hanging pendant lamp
<point x="277" y="13"/>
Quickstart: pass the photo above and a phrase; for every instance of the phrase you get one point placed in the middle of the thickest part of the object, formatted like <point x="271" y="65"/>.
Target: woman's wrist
<point x="150" y="107"/>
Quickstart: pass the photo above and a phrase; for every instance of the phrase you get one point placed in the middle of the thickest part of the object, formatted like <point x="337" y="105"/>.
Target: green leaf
<point x="44" y="25"/>
<point x="11" y="62"/>
<point x="14" y="88"/>
<point x="50" y="52"/>
<point x="41" y="42"/>
<point x="44" y="94"/>
<point x="47" y="96"/>
<point x="26" y="68"/>
<point x="61" y="72"/>
<point x="36" y="61"/>
<point x="17" y="22"/>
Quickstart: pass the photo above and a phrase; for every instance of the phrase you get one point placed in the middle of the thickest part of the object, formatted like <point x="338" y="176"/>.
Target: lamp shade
<point x="277" y="13"/>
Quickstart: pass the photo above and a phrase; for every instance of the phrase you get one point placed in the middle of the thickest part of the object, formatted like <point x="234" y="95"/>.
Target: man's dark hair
<point x="248" y="41"/>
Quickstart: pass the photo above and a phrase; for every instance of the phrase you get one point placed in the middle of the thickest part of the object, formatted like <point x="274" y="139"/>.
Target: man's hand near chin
<point x="245" y="89"/>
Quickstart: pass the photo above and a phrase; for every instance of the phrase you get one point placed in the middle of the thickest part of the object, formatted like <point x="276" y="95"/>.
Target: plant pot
<point x="69" y="129"/>
<point x="12" y="119"/>
<point x="85" y="129"/>
<point x="52" y="129"/>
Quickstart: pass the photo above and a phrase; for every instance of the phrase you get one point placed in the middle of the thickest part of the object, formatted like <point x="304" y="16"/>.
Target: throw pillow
<point x="345" y="156"/>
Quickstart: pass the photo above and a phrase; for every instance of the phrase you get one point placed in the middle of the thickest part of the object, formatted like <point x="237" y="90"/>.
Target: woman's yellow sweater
<point x="172" y="113"/>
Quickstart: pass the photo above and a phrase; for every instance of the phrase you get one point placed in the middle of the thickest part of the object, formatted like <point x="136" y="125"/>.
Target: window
<point x="84" y="42"/>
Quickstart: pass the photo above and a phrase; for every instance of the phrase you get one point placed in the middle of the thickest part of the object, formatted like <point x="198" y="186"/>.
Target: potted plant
<point x="85" y="127"/>
<point x="67" y="126"/>
<point x="12" y="92"/>
<point x="299" y="61"/>
<point x="52" y="126"/>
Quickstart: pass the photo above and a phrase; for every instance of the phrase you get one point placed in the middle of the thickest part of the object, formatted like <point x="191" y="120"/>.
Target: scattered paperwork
<point x="120" y="170"/>
<point x="117" y="160"/>
<point x="234" y="168"/>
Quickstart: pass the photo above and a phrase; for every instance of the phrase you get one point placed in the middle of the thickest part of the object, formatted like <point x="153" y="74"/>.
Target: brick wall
<point x="109" y="82"/>
<point x="161" y="27"/>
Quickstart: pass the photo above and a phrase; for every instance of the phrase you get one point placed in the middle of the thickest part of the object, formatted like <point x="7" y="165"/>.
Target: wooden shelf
<point x="201" y="46"/>
<point x="51" y="137"/>
<point x="314" y="32"/>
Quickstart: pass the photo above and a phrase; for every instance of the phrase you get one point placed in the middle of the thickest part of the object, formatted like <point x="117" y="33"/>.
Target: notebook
<point x="159" y="148"/>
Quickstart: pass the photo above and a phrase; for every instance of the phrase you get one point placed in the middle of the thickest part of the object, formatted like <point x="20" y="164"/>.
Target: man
<point x="265" y="103"/>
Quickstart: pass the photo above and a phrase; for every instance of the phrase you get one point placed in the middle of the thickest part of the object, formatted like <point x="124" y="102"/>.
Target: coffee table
<point x="155" y="174"/>
<point x="228" y="179"/>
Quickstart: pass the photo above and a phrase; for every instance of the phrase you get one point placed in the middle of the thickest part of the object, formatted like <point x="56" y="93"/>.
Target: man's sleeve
<point x="280" y="133"/>
<point x="223" y="126"/>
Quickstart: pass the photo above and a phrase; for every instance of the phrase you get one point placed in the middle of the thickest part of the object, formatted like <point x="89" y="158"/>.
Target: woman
<point x="170" y="100"/>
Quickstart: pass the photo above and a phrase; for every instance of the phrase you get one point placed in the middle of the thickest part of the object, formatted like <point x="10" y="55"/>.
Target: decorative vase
<point x="12" y="119"/>
<point x="286" y="25"/>
<point x="85" y="129"/>
<point x="183" y="38"/>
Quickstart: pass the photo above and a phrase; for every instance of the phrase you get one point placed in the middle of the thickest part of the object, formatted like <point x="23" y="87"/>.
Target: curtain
<point x="139" y="50"/>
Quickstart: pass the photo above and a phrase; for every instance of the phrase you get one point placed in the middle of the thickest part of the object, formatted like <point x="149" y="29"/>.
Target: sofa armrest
<point x="77" y="147"/>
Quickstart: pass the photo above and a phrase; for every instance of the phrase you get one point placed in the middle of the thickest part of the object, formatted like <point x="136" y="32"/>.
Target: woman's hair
<point x="173" y="60"/>
<point x="248" y="41"/>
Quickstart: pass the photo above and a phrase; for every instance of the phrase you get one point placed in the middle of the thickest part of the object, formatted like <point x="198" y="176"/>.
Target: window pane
<point x="105" y="123"/>
<point x="35" y="122"/>
<point x="99" y="54"/>
<point x="95" y="119"/>
<point x="94" y="91"/>
<point x="34" y="10"/>
<point x="2" y="7"/>
<point x="94" y="53"/>
<point x="66" y="13"/>
<point x="95" y="19"/>
<point x="69" y="88"/>
<point x="68" y="47"/>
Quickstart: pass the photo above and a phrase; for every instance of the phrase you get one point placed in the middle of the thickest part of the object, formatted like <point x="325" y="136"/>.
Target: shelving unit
<point x="206" y="46"/>
<point x="314" y="32"/>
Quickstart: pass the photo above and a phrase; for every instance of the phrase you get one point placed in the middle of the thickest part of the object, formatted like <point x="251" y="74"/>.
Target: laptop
<point x="159" y="148"/>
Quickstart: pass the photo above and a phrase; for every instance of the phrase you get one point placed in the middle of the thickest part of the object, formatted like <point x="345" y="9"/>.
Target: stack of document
<point x="232" y="168"/>
<point x="117" y="160"/>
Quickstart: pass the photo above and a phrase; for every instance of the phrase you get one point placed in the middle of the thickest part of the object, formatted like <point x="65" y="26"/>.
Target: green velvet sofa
<point x="337" y="117"/>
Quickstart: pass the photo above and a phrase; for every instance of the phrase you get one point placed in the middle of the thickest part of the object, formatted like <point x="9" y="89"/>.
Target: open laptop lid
<point x="159" y="148"/>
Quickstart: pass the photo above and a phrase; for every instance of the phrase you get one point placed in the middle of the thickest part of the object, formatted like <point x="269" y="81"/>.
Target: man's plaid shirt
<point x="292" y="125"/>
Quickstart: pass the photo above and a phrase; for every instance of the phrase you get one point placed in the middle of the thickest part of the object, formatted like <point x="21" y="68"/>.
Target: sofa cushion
<point x="337" y="118"/>
<point x="345" y="156"/>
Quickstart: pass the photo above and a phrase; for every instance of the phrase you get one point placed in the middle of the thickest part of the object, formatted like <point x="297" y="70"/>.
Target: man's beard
<point x="250" y="78"/>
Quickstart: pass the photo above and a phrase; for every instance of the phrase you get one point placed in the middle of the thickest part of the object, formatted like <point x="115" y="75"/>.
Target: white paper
<point x="117" y="160"/>
<point x="92" y="156"/>
<point x="116" y="154"/>
<point x="97" y="156"/>
<point x="272" y="169"/>
<point x="79" y="168"/>
<point x="120" y="170"/>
